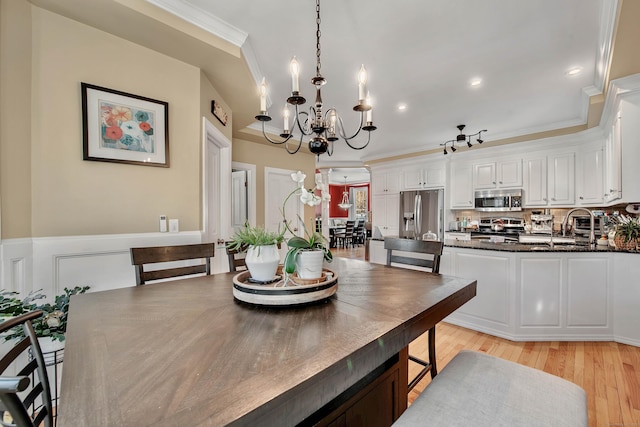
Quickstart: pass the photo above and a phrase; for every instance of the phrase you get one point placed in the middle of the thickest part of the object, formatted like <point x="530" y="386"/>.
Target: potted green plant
<point x="306" y="254"/>
<point x="261" y="245"/>
<point x="627" y="232"/>
<point x="51" y="325"/>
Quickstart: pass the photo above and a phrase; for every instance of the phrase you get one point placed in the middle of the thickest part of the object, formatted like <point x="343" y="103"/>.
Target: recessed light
<point x="475" y="82"/>
<point x="574" y="71"/>
<point x="402" y="107"/>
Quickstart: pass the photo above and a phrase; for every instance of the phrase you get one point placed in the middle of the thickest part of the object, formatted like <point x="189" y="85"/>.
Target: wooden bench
<point x="479" y="390"/>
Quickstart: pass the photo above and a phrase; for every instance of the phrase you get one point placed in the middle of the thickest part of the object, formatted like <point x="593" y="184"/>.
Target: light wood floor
<point x="609" y="372"/>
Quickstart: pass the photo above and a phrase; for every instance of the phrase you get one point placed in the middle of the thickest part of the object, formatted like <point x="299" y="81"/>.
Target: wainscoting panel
<point x="101" y="261"/>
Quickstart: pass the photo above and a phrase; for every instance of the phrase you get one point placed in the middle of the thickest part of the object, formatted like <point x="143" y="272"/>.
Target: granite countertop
<point x="527" y="247"/>
<point x="485" y="244"/>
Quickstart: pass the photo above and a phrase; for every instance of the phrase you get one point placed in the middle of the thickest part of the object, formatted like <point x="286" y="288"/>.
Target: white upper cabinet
<point x="461" y="186"/>
<point x="535" y="182"/>
<point x="502" y="174"/>
<point x="613" y="163"/>
<point x="561" y="184"/>
<point x="590" y="176"/>
<point x="385" y="182"/>
<point x="430" y="175"/>
<point x="549" y="180"/>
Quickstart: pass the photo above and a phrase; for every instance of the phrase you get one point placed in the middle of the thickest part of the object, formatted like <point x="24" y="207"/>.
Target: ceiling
<point x="424" y="54"/>
<point x="420" y="53"/>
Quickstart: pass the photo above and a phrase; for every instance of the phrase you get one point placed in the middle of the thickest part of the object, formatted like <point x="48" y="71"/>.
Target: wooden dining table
<point x="185" y="353"/>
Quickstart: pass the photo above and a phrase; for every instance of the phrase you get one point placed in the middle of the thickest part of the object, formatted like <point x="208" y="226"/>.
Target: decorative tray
<point x="281" y="292"/>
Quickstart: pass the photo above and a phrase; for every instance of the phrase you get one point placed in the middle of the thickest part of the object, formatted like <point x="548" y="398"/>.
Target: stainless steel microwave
<point x="498" y="200"/>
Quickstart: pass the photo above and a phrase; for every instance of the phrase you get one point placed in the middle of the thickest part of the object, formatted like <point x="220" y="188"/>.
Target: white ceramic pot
<point x="309" y="264"/>
<point x="262" y="262"/>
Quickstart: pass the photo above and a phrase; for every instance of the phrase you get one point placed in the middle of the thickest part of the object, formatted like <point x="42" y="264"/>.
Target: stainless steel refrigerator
<point x="420" y="212"/>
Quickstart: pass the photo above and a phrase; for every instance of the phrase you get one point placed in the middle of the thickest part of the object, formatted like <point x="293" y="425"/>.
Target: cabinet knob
<point x="581" y="198"/>
<point x="500" y="182"/>
<point x="553" y="198"/>
<point x="611" y="190"/>
<point x="545" y="200"/>
<point x="494" y="182"/>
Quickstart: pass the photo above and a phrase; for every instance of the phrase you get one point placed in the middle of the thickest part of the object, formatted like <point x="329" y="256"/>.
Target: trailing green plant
<point x="52" y="323"/>
<point x="248" y="236"/>
<point x="628" y="228"/>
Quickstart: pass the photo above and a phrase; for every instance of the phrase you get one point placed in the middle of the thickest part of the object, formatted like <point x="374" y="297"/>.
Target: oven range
<point x="499" y="226"/>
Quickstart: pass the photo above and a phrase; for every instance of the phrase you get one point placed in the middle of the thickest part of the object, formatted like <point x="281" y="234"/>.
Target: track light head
<point x="462" y="138"/>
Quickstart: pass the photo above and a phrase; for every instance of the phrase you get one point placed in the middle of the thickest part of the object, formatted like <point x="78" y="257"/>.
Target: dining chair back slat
<point x="416" y="246"/>
<point x="156" y="254"/>
<point x="236" y="262"/>
<point x="27" y="394"/>
<point x="422" y="247"/>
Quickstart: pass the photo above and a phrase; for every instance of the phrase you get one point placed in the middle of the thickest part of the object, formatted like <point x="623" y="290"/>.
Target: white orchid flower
<point x="319" y="180"/>
<point x="298" y="177"/>
<point x="308" y="198"/>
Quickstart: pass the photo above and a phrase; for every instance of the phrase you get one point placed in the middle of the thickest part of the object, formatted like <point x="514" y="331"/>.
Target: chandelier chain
<point x="318" y="64"/>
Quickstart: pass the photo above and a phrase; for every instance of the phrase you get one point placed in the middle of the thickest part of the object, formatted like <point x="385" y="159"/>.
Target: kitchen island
<point x="186" y="353"/>
<point x="534" y="292"/>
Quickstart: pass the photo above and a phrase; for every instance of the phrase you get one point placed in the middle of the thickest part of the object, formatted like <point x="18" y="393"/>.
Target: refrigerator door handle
<point x="417" y="209"/>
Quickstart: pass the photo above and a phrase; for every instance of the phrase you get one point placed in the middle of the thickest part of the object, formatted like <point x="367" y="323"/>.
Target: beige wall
<point x="76" y="197"/>
<point x="15" y="115"/>
<point x="276" y="157"/>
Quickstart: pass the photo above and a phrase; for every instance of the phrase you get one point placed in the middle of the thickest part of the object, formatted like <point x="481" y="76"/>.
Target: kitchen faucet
<point x="592" y="233"/>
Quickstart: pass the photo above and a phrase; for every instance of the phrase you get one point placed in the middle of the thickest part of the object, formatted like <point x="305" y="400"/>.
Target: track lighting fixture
<point x="462" y="138"/>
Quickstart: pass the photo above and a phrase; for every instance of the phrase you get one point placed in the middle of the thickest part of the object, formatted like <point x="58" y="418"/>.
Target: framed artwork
<point x="219" y="112"/>
<point x="124" y="128"/>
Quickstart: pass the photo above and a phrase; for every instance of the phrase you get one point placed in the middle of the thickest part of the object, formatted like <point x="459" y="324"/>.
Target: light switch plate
<point x="163" y="223"/>
<point x="174" y="226"/>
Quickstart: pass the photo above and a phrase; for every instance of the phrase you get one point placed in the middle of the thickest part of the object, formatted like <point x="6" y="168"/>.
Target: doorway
<point x="216" y="184"/>
<point x="243" y="194"/>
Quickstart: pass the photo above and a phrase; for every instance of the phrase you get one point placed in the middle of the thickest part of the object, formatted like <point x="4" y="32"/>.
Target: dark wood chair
<point x="25" y="395"/>
<point x="345" y="238"/>
<point x="236" y="263"/>
<point x="422" y="247"/>
<point x="155" y="254"/>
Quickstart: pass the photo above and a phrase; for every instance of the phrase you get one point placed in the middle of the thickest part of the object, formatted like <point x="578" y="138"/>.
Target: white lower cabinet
<point x="491" y="306"/>
<point x="540" y="290"/>
<point x="386" y="213"/>
<point x="538" y="296"/>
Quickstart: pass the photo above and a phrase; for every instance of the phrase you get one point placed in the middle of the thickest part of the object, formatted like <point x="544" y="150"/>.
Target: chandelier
<point x="325" y="127"/>
<point x="461" y="139"/>
<point x="345" y="203"/>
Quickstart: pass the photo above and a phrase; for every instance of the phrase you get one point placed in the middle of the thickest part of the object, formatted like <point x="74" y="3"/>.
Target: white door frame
<point x="212" y="138"/>
<point x="295" y="222"/>
<point x="251" y="188"/>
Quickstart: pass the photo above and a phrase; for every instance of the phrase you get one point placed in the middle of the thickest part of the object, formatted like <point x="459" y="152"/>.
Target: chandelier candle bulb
<point x="362" y="83"/>
<point x="294" y="67"/>
<point x="368" y="115"/>
<point x="286" y="119"/>
<point x="263" y="95"/>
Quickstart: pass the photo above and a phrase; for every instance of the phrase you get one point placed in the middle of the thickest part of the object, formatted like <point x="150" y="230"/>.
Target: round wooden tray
<point x="295" y="292"/>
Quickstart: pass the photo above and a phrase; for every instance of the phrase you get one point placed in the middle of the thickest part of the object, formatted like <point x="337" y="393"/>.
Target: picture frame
<point x="121" y="127"/>
<point x="218" y="111"/>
